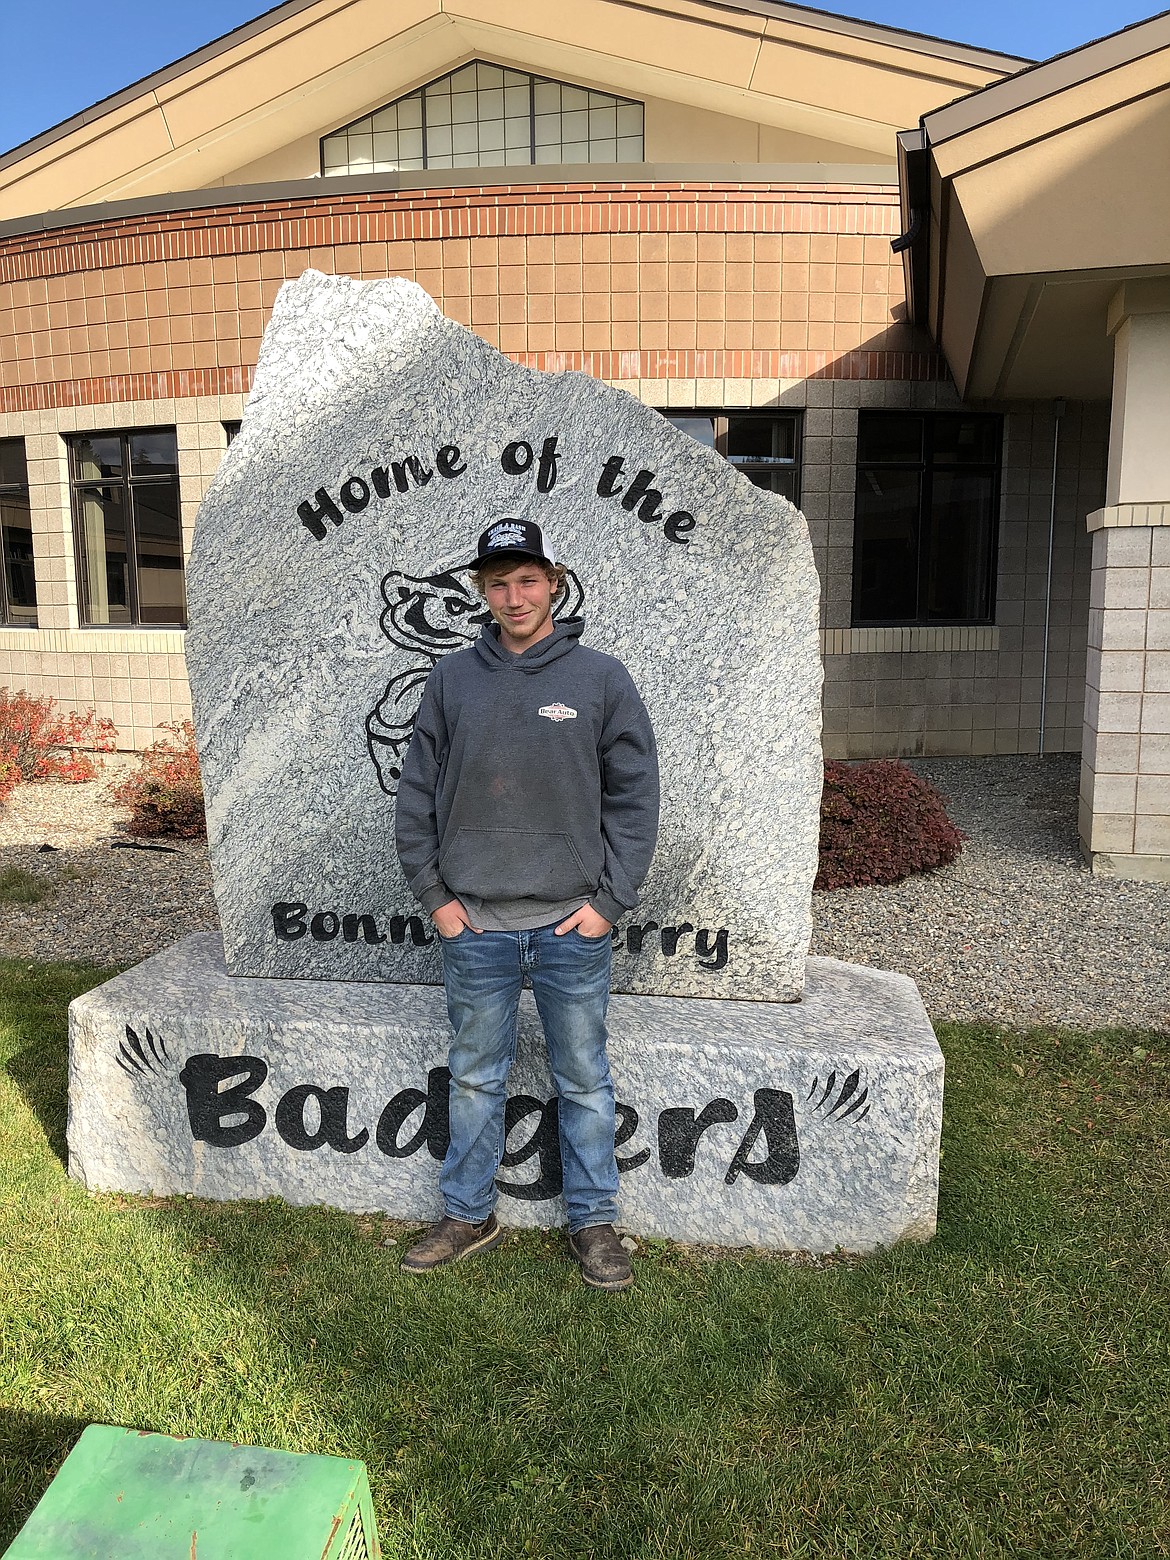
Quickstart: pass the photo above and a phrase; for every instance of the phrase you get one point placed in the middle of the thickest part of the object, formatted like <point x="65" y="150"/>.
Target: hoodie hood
<point x="563" y="638"/>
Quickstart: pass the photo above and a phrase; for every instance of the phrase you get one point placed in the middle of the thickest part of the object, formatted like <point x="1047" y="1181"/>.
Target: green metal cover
<point x="132" y="1495"/>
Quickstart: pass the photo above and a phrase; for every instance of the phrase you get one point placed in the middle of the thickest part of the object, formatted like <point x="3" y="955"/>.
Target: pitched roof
<point x="308" y="65"/>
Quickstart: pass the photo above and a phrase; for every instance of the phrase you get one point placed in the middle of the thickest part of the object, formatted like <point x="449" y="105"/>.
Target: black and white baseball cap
<point x="511" y="538"/>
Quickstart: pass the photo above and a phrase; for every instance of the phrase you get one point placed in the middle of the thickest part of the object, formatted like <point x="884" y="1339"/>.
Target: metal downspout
<point x="1057" y="413"/>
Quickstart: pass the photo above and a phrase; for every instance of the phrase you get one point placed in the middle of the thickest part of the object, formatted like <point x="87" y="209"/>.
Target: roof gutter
<point x="468" y="181"/>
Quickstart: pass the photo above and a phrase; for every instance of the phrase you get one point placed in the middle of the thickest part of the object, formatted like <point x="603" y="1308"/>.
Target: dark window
<point x="126" y="520"/>
<point x="926" y="517"/>
<point x="18" y="586"/>
<point x="231" y="429"/>
<point x="765" y="446"/>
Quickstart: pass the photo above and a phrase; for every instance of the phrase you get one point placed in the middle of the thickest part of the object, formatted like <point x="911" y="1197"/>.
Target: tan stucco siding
<point x="1077" y="200"/>
<point x="960" y="321"/>
<point x="201" y="135"/>
<point x="682" y="38"/>
<point x="1057" y="176"/>
<point x="896" y="56"/>
<point x="299" y="160"/>
<point x="884" y="86"/>
<point x="343" y="41"/>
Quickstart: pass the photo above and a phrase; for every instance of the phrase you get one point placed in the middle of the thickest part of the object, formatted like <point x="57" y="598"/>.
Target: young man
<point x="527" y="817"/>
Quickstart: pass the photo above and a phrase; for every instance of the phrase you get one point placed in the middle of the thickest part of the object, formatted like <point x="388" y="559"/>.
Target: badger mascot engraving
<point x="427" y="616"/>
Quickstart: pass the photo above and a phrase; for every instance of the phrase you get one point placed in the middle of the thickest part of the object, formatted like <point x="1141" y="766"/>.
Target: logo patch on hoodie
<point x="557" y="712"/>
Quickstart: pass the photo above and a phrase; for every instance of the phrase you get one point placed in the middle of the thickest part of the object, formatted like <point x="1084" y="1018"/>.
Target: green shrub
<point x="165" y="792"/>
<point x="881" y="823"/>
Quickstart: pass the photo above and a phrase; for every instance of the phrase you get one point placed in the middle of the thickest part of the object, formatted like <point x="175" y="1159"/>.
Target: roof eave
<point x="1047" y="79"/>
<point x="781" y="10"/>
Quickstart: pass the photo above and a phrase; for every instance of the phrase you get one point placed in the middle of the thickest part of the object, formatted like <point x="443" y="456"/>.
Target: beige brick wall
<point x="1125" y="773"/>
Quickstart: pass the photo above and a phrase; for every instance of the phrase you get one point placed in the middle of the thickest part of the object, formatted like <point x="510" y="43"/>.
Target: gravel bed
<point x="111" y="902"/>
<point x="1017" y="931"/>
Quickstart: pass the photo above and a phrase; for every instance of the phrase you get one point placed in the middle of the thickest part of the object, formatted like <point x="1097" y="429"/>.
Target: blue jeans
<point x="483" y="974"/>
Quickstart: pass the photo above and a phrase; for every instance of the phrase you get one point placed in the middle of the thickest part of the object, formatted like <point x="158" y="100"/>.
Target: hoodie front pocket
<point x="514" y="864"/>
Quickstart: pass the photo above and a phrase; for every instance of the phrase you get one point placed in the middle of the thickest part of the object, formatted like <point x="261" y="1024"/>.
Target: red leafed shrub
<point x="165" y="793"/>
<point x="39" y="743"/>
<point x="9" y="776"/>
<point x="879" y="824"/>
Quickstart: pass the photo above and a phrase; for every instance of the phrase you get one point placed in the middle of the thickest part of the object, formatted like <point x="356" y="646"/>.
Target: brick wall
<point x="625" y="283"/>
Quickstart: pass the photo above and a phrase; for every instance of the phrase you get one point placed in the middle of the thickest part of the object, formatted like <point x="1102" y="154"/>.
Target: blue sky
<point x="60" y="56"/>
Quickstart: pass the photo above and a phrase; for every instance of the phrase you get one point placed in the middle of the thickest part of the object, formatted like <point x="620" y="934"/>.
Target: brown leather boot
<point x="603" y="1259"/>
<point x="451" y="1240"/>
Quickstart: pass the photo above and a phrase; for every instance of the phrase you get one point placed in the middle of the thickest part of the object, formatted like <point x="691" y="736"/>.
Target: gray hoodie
<point x="530" y="783"/>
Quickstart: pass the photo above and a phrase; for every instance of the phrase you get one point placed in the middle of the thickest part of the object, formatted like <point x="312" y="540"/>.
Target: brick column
<point x="1125" y="767"/>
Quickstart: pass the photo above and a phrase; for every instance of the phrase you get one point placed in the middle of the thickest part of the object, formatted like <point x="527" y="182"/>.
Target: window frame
<point x="128" y="482"/>
<point x="721" y="419"/>
<point x="534" y="80"/>
<point x="927" y="466"/>
<point x="10" y="490"/>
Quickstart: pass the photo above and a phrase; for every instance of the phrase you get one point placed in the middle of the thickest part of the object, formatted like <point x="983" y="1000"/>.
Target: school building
<point x="921" y="288"/>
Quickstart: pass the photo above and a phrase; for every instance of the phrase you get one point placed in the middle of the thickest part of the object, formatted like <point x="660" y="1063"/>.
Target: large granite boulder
<point x="380" y="438"/>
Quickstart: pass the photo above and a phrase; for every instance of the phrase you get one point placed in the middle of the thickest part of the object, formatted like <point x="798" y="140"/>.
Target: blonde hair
<point x="554" y="571"/>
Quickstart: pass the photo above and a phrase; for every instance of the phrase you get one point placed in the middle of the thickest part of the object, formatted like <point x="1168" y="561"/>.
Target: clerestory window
<point x="485" y="115"/>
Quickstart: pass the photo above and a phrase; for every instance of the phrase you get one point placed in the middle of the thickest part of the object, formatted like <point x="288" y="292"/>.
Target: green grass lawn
<point x="1002" y="1391"/>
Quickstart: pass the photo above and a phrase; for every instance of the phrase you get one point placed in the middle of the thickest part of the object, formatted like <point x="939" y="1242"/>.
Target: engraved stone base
<point x="806" y="1126"/>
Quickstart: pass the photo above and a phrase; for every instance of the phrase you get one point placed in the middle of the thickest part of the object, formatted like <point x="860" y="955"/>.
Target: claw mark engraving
<point x="136" y="1060"/>
<point x="828" y="1090"/>
<point x="847" y="1102"/>
<point x="428" y="615"/>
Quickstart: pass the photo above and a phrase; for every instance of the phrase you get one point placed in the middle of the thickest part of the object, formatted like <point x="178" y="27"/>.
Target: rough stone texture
<point x="825" y="1114"/>
<point x="307" y="652"/>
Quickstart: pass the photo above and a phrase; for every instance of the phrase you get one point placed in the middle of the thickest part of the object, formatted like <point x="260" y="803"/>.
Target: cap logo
<point x="557" y="712"/>
<point x="507" y="536"/>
